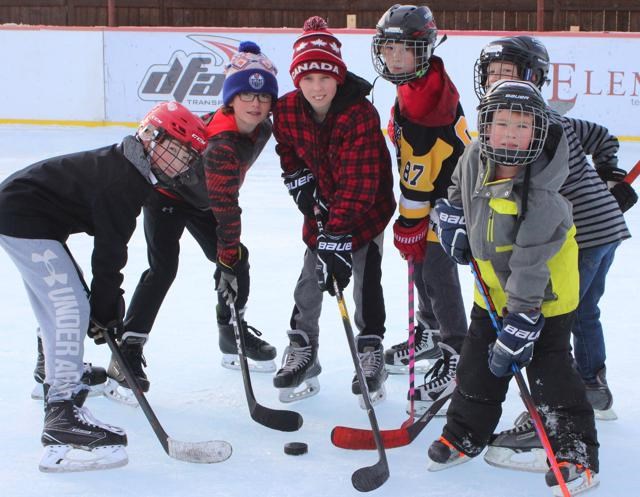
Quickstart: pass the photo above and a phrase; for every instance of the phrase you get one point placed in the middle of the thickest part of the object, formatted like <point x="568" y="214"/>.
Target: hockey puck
<point x="295" y="448"/>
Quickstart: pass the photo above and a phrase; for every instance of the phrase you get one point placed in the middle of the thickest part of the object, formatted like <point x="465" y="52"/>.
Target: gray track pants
<point x="369" y="313"/>
<point x="60" y="305"/>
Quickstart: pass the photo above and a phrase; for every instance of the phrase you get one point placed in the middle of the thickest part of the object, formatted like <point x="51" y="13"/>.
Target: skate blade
<point x="584" y="483"/>
<point x="309" y="388"/>
<point x="422" y="406"/>
<point x="65" y="458"/>
<point x="374" y="397"/>
<point x="232" y="361"/>
<point x="436" y="466"/>
<point x="533" y="461"/>
<point x="123" y="395"/>
<point x="606" y="415"/>
<point x="404" y="369"/>
<point x="38" y="391"/>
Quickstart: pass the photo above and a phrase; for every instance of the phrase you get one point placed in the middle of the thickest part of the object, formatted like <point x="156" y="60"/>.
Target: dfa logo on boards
<point x="194" y="79"/>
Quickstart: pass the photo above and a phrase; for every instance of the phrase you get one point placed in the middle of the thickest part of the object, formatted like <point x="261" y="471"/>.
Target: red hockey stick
<point x="633" y="174"/>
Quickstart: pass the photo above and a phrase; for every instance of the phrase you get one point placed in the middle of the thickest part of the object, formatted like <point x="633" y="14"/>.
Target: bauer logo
<point x="192" y="78"/>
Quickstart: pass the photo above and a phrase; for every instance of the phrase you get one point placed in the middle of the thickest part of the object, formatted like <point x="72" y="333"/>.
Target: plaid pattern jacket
<point x="348" y="156"/>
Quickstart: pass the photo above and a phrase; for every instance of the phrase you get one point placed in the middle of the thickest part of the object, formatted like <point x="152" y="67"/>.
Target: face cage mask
<point x="161" y="147"/>
<point x="422" y="52"/>
<point x="511" y="156"/>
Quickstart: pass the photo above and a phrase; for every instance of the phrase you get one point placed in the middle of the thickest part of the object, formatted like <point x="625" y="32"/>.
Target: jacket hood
<point x="135" y="153"/>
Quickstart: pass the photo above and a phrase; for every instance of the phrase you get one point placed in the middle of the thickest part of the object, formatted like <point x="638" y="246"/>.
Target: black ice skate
<point x="436" y="381"/>
<point x="300" y="367"/>
<point x="396" y="359"/>
<point x="93" y="376"/>
<point x="444" y="455"/>
<point x="600" y="397"/>
<point x="117" y="388"/>
<point x="577" y="478"/>
<point x="70" y="428"/>
<point x="260" y="354"/>
<point x="518" y="448"/>
<point x="370" y="354"/>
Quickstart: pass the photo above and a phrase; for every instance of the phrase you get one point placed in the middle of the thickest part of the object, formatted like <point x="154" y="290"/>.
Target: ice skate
<point x="436" y="381"/>
<point x="444" y="455"/>
<point x="578" y="479"/>
<point x="259" y="353"/>
<point x="600" y="397"/>
<point x="76" y="441"/>
<point x="518" y="448"/>
<point x="370" y="354"/>
<point x="396" y="359"/>
<point x="117" y="388"/>
<point x="298" y="377"/>
<point x="94" y="377"/>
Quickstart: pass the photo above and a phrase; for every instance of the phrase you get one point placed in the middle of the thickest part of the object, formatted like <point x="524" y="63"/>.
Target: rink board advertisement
<point x="116" y="75"/>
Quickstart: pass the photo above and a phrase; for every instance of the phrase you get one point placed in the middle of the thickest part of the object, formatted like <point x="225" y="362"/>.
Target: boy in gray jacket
<point x="520" y="231"/>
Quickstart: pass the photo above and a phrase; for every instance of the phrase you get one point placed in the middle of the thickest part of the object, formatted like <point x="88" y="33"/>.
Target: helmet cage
<point x="519" y="99"/>
<point x="422" y="51"/>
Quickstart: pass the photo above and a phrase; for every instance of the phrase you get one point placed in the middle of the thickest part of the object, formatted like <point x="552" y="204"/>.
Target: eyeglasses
<point x="263" y="98"/>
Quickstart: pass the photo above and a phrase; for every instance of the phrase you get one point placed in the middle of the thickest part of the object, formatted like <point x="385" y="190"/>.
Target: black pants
<point x="165" y="220"/>
<point x="555" y="385"/>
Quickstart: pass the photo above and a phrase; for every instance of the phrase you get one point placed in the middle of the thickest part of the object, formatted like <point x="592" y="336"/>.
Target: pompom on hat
<point x="249" y="71"/>
<point x="317" y="50"/>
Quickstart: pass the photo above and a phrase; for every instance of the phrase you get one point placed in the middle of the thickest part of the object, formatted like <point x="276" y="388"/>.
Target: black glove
<point x="226" y="277"/>
<point x="520" y="330"/>
<point x="302" y="187"/>
<point x="97" y="330"/>
<point x="625" y="195"/>
<point x="614" y="174"/>
<point x="452" y="231"/>
<point x="333" y="261"/>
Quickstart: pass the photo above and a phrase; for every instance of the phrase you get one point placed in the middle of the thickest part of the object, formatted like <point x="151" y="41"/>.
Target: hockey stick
<point x="633" y="174"/>
<point x="197" y="452"/>
<point x="276" y="419"/>
<point x="370" y="477"/>
<point x="524" y="389"/>
<point x="412" y="344"/>
<point x="359" y="439"/>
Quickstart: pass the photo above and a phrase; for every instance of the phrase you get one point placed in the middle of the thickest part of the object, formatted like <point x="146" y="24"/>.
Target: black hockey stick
<point x="197" y="452"/>
<point x="370" y="477"/>
<point x="276" y="419"/>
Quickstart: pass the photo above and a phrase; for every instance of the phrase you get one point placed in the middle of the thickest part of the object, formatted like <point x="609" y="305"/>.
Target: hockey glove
<point x="302" y="187"/>
<point x="97" y="330"/>
<point x="452" y="231"/>
<point x="614" y="174"/>
<point x="333" y="261"/>
<point x="625" y="194"/>
<point x="520" y="330"/>
<point x="226" y="275"/>
<point x="410" y="237"/>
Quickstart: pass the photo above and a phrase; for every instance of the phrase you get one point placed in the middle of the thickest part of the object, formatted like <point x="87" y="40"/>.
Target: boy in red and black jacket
<point x="333" y="154"/>
<point x="429" y="131"/>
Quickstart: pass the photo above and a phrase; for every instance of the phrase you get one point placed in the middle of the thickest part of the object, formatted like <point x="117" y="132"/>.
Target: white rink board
<point x="115" y="75"/>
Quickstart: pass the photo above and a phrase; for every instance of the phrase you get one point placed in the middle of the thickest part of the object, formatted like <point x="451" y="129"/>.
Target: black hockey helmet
<point x="412" y="26"/>
<point x="525" y="109"/>
<point x="527" y="53"/>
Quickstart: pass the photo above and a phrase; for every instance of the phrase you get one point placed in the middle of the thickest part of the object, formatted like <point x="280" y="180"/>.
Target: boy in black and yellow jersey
<point x="429" y="131"/>
<point x="505" y="209"/>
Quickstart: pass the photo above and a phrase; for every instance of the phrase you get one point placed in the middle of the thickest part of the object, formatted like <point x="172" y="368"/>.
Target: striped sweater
<point x="596" y="213"/>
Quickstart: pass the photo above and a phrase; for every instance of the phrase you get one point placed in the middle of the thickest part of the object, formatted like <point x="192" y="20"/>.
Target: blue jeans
<point x="588" y="339"/>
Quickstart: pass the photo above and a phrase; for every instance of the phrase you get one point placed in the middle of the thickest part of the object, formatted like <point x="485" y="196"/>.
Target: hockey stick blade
<point x="199" y="452"/>
<point x="370" y="477"/>
<point x="276" y="419"/>
<point x="196" y="452"/>
<point x="360" y="439"/>
<point x="633" y="174"/>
